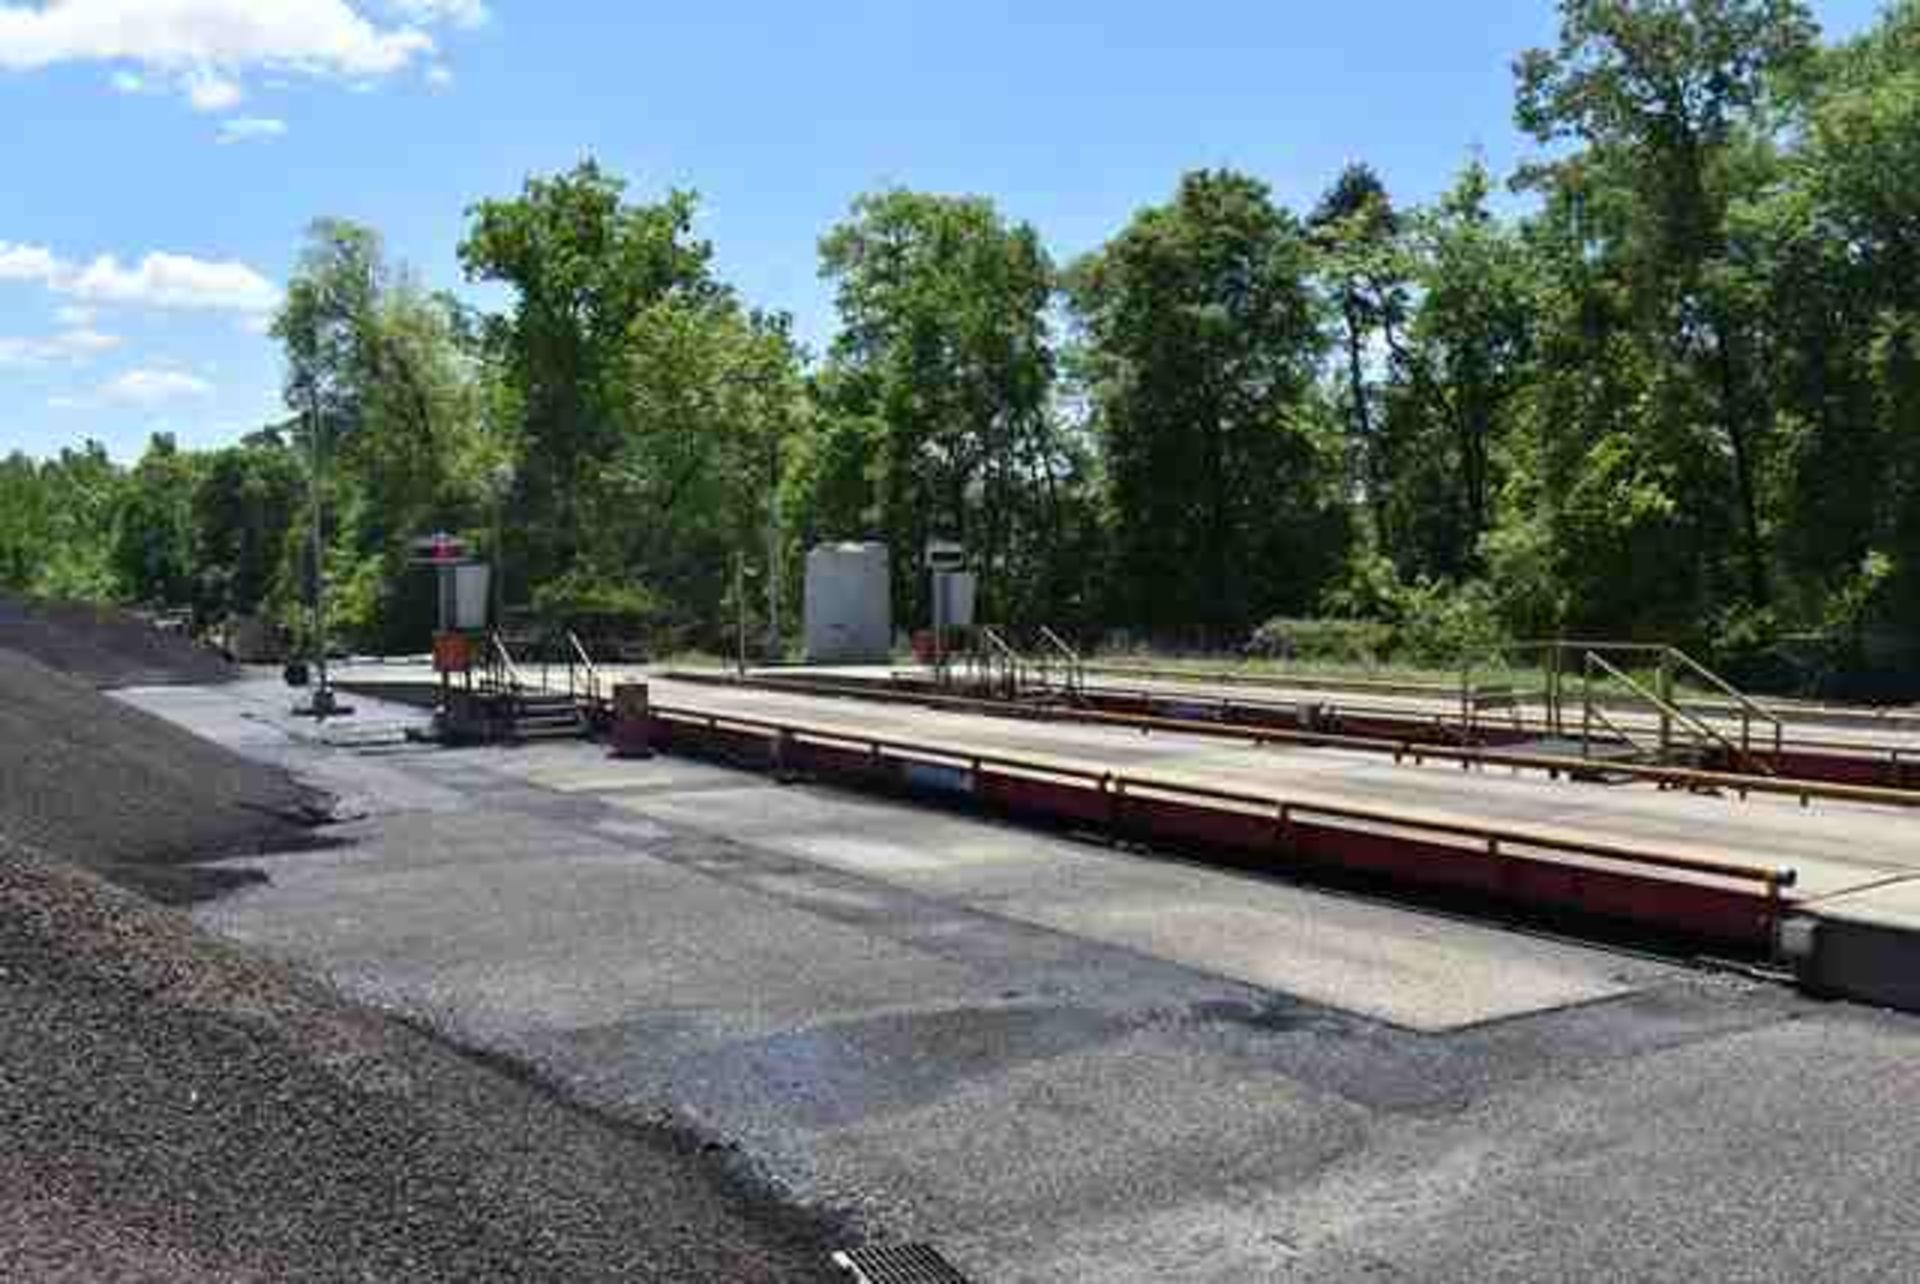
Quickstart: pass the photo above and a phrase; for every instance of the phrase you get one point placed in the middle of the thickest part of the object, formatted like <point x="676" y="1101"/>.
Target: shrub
<point x="1326" y="640"/>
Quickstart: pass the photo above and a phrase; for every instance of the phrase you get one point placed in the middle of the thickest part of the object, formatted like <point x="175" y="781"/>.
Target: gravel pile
<point x="175" y="1109"/>
<point x="105" y="646"/>
<point x="104" y="785"/>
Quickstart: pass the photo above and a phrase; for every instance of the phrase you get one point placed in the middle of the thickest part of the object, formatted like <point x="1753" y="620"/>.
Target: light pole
<point x="740" y="612"/>
<point x="323" y="690"/>
<point x="773" y="548"/>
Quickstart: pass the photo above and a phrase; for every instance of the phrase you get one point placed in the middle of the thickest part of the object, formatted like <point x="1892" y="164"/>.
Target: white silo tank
<point x="849" y="605"/>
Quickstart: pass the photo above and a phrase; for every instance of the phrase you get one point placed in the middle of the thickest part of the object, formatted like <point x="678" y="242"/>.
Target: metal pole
<point x="322" y="692"/>
<point x="740" y="610"/>
<point x="773" y="551"/>
<point x="939" y="629"/>
<point x="1664" y="686"/>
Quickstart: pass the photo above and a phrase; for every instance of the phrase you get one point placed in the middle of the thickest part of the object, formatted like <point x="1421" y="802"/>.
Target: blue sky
<point x="162" y="157"/>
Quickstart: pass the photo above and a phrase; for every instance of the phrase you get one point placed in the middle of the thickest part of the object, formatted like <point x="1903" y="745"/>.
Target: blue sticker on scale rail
<point x="939" y="777"/>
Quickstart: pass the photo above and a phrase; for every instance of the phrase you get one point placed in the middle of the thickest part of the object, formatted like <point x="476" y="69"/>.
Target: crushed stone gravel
<point x="104" y="645"/>
<point x="176" y="1109"/>
<point x="89" y="778"/>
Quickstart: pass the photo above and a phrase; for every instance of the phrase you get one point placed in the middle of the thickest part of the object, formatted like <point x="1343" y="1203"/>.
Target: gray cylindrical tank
<point x="849" y="604"/>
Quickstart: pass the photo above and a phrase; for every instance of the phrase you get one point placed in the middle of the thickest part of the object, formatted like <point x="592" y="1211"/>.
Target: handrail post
<point x="1586" y="706"/>
<point x="1663" y="683"/>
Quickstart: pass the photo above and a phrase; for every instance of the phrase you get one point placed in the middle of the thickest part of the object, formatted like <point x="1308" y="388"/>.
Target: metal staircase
<point x="526" y="698"/>
<point x="1049" y="671"/>
<point x="1622" y="701"/>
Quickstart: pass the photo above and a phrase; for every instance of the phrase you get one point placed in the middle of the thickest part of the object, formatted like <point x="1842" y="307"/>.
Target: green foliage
<point x="152" y="552"/>
<point x="243" y="510"/>
<point x="1331" y="641"/>
<point x="1676" y="397"/>
<point x="58" y="524"/>
<point x="1202" y="332"/>
<point x="590" y="604"/>
<point x="583" y="266"/>
<point x="939" y="382"/>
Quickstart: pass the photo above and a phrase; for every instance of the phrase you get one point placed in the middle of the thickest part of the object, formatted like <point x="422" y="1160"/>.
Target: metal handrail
<point x="503" y="659"/>
<point x="1419" y="750"/>
<point x="1009" y="658"/>
<point x="1075" y="666"/>
<point x="1591" y="713"/>
<point x="579" y="652"/>
<point x="1666" y="707"/>
<point x="1774" y="879"/>
<point x="1751" y="708"/>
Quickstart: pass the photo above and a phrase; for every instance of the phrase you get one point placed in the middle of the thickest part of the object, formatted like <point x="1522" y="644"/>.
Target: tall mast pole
<point x="322" y="694"/>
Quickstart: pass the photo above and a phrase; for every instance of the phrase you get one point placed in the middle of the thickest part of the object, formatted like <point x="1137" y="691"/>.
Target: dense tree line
<point x="1675" y="396"/>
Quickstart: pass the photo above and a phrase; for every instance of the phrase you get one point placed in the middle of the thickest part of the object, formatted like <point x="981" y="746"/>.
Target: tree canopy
<point x="1662" y="382"/>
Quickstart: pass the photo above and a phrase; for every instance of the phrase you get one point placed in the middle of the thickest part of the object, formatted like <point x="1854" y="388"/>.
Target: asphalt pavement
<point x="1062" y="1062"/>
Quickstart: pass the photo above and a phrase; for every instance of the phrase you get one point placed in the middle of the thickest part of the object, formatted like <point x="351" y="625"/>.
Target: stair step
<point x="549" y="733"/>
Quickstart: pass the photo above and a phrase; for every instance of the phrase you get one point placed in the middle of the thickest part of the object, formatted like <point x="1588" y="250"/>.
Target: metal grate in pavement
<point x="898" y="1264"/>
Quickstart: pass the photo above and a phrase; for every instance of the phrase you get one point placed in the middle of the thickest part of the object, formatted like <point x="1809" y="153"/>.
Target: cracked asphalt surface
<point x="942" y="1028"/>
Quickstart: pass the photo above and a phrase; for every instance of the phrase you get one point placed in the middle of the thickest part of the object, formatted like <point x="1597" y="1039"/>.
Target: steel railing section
<point x="504" y="675"/>
<point x="587" y="688"/>
<point x="1750" y="710"/>
<point x="1213" y="718"/>
<point x="1074" y="665"/>
<point x="1703" y="897"/>
<point x="1667" y="709"/>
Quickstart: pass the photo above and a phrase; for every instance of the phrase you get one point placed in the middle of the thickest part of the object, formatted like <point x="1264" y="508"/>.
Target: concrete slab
<point x="1410" y="970"/>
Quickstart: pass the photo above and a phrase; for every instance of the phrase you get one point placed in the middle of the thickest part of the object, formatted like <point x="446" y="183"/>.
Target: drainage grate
<point x="898" y="1264"/>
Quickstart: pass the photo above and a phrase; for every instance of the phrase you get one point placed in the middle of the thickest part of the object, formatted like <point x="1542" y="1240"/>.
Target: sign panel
<point x="452" y="653"/>
<point x="954" y="593"/>
<point x="472" y="603"/>
<point x="945" y="555"/>
<point x="439" y="549"/>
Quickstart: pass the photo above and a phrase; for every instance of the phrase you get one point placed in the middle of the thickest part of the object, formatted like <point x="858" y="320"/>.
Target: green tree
<point x="81" y="491"/>
<point x="1457" y="365"/>
<point x="377" y="367"/>
<point x="246" y="506"/>
<point x="945" y="355"/>
<point x="1356" y="230"/>
<point x="153" y="531"/>
<point x="1664" y="99"/>
<point x="1201" y="338"/>
<point x="583" y="265"/>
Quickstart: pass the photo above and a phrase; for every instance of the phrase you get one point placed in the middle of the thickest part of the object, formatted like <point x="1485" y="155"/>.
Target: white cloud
<point x="159" y="280"/>
<point x="129" y="82"/>
<point x="457" y="13"/>
<point x="208" y="90"/>
<point x="205" y="48"/>
<point x="440" y="76"/>
<point x="153" y="387"/>
<point x="68" y="345"/>
<point x="27" y="263"/>
<point x="86" y="341"/>
<point x="173" y="281"/>
<point x="22" y="352"/>
<point x="72" y="314"/>
<point x="242" y="129"/>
